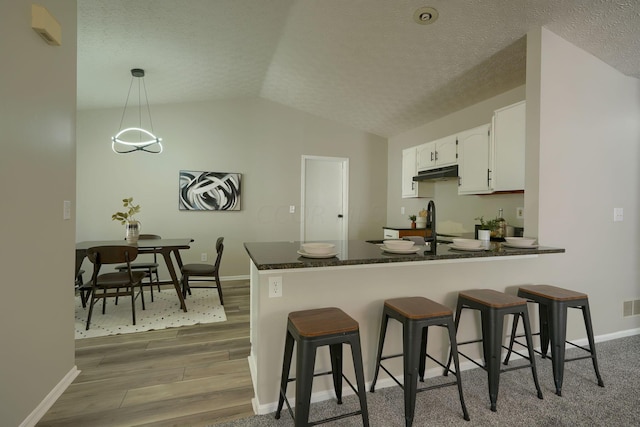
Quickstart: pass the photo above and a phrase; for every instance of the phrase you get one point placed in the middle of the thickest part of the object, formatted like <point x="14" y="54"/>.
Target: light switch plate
<point x="520" y="213"/>
<point x="66" y="209"/>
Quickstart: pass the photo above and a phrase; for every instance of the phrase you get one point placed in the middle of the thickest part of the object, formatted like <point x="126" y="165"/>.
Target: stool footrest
<point x="337" y="417"/>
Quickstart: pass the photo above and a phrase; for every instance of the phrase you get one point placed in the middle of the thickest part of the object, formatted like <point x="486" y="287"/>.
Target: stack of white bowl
<point x="318" y="248"/>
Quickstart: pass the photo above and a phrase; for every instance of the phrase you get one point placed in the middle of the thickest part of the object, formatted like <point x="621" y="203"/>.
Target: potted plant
<point x="132" y="226"/>
<point x="486" y="229"/>
<point x="413" y="221"/>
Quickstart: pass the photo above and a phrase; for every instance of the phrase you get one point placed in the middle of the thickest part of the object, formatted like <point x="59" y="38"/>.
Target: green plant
<point x="491" y="224"/>
<point x="412" y="217"/>
<point x="127" y="216"/>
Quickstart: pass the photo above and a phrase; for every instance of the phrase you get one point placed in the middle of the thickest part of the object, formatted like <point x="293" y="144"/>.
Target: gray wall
<point x="37" y="172"/>
<point x="261" y="139"/>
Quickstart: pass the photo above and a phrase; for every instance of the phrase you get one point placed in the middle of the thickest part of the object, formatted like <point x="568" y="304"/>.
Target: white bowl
<point x="467" y="243"/>
<point x="318" y="248"/>
<point x="399" y="244"/>
<point x="520" y="241"/>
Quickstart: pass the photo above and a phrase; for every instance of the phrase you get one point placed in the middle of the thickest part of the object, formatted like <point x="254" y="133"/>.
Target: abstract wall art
<point x="209" y="191"/>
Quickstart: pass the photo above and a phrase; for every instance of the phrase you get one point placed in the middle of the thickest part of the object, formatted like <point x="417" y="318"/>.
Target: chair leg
<point x="514" y="327"/>
<point x="492" y="344"/>
<point x="133" y="303"/>
<point x="91" y="304"/>
<point x="158" y="280"/>
<point x="527" y="332"/>
<point x="217" y="278"/>
<point x="305" y="362"/>
<point x="150" y="273"/>
<point x="411" y="337"/>
<point x="423" y="353"/>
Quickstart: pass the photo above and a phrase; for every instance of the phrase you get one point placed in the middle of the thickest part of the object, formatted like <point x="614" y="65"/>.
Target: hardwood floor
<point x="188" y="376"/>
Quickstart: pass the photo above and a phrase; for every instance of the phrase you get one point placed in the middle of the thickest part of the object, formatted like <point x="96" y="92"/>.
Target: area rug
<point x="164" y="312"/>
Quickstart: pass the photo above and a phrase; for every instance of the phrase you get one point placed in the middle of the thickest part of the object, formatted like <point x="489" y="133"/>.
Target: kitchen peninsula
<point x="358" y="280"/>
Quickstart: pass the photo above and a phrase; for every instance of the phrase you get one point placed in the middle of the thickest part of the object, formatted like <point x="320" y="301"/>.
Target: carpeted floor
<point x="203" y="306"/>
<point x="583" y="403"/>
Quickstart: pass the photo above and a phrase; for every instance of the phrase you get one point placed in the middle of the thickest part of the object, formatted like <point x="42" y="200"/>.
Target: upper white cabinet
<point x="410" y="188"/>
<point x="438" y="153"/>
<point x="508" y="141"/>
<point x="474" y="161"/>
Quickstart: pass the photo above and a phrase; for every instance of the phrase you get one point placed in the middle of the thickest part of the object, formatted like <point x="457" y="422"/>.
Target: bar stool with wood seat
<point x="552" y="308"/>
<point x="416" y="315"/>
<point x="493" y="306"/>
<point x="310" y="329"/>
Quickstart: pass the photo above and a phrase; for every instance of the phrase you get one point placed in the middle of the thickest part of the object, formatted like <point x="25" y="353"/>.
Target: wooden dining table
<point x="164" y="247"/>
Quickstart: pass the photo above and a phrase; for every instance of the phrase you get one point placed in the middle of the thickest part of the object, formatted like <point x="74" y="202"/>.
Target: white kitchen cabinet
<point x="410" y="188"/>
<point x="438" y="153"/>
<point x="508" y="141"/>
<point x="474" y="166"/>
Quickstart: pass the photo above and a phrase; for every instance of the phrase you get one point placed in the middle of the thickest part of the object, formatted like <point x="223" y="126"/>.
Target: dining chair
<point x="108" y="285"/>
<point x="150" y="268"/>
<point x="204" y="270"/>
<point x="82" y="288"/>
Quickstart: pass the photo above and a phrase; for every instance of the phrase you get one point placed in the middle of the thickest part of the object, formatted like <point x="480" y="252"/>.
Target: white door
<point x="324" y="198"/>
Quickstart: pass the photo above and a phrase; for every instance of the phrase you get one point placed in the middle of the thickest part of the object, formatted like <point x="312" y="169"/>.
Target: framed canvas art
<point x="209" y="191"/>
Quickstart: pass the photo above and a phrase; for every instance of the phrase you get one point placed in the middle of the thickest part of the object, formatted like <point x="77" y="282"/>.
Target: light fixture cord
<point x="126" y="103"/>
<point x="146" y="98"/>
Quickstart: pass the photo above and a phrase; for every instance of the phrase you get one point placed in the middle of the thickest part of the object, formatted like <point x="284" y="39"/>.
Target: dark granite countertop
<point x="284" y="255"/>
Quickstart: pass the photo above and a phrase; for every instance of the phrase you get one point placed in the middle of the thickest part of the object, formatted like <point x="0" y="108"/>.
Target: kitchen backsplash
<point x="456" y="214"/>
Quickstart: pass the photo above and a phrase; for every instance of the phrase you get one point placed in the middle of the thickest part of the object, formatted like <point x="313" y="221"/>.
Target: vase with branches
<point x="132" y="226"/>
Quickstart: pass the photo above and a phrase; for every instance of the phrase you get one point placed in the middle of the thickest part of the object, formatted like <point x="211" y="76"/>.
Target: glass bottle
<point x="502" y="225"/>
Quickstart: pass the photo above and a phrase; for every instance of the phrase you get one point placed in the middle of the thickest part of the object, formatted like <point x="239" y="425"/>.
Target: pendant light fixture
<point x="133" y="139"/>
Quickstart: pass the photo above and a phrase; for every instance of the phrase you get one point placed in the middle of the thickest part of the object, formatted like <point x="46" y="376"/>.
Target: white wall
<point x="454" y="213"/>
<point x="37" y="172"/>
<point x="589" y="136"/>
<point x="260" y="139"/>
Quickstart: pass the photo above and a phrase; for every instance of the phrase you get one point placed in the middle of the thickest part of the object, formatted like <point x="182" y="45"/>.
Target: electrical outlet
<point x="275" y="287"/>
<point x="203" y="256"/>
<point x="402" y="210"/>
<point x="618" y="214"/>
<point x="520" y="213"/>
<point x="292" y="209"/>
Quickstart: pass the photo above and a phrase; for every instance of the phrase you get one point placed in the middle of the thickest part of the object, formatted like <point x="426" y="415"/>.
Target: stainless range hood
<point x="438" y="174"/>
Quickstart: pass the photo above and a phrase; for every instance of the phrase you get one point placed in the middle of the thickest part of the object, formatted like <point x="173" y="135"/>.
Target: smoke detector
<point x="425" y="15"/>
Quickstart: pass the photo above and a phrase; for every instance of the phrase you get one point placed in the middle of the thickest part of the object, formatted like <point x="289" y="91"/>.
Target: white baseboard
<point x="231" y="278"/>
<point x="267" y="408"/>
<point x="51" y="398"/>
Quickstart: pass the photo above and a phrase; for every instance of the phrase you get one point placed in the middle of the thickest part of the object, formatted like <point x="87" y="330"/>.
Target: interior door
<point x="324" y="203"/>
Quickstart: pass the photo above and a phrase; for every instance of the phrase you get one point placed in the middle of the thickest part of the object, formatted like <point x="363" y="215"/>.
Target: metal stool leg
<point x="335" y="351"/>
<point x="286" y="366"/>
<point x="453" y="352"/>
<point x="558" y="327"/>
<point x="527" y="332"/>
<point x="411" y="339"/>
<point x="423" y="353"/>
<point x="356" y="353"/>
<point x="305" y="362"/>
<point x="592" y="345"/>
<point x="492" y="345"/>
<point x="383" y="332"/>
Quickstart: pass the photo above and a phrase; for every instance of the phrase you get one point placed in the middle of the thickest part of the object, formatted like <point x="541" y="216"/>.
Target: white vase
<point x="484" y="234"/>
<point x="132" y="231"/>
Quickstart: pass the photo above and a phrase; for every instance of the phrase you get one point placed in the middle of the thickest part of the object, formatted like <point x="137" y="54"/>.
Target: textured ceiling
<point x="364" y="63"/>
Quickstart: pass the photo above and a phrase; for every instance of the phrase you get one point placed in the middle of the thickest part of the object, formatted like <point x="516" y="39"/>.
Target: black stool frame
<point x="553" y="327"/>
<point x="305" y="363"/>
<point x="492" y="319"/>
<point x="414" y="353"/>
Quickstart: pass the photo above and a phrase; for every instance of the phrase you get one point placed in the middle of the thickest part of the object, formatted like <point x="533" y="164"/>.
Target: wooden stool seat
<point x="322" y="321"/>
<point x="553" y="303"/>
<point x="550" y="292"/>
<point x="417" y="314"/>
<point x="493" y="307"/>
<point x="493" y="299"/>
<point x="309" y="330"/>
<point x="418" y="308"/>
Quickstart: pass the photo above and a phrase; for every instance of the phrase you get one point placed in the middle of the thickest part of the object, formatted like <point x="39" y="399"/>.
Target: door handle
<point x="340" y="216"/>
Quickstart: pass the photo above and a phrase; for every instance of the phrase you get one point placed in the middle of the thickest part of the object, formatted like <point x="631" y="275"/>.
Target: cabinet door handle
<point x="413" y="185"/>
<point x="432" y="156"/>
<point x="488" y="177"/>
<point x="436" y="155"/>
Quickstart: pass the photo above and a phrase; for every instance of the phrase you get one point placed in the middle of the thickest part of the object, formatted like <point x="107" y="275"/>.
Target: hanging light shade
<point x="132" y="139"/>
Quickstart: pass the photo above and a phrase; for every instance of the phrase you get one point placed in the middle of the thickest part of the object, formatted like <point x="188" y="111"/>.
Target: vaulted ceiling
<point x="365" y="63"/>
